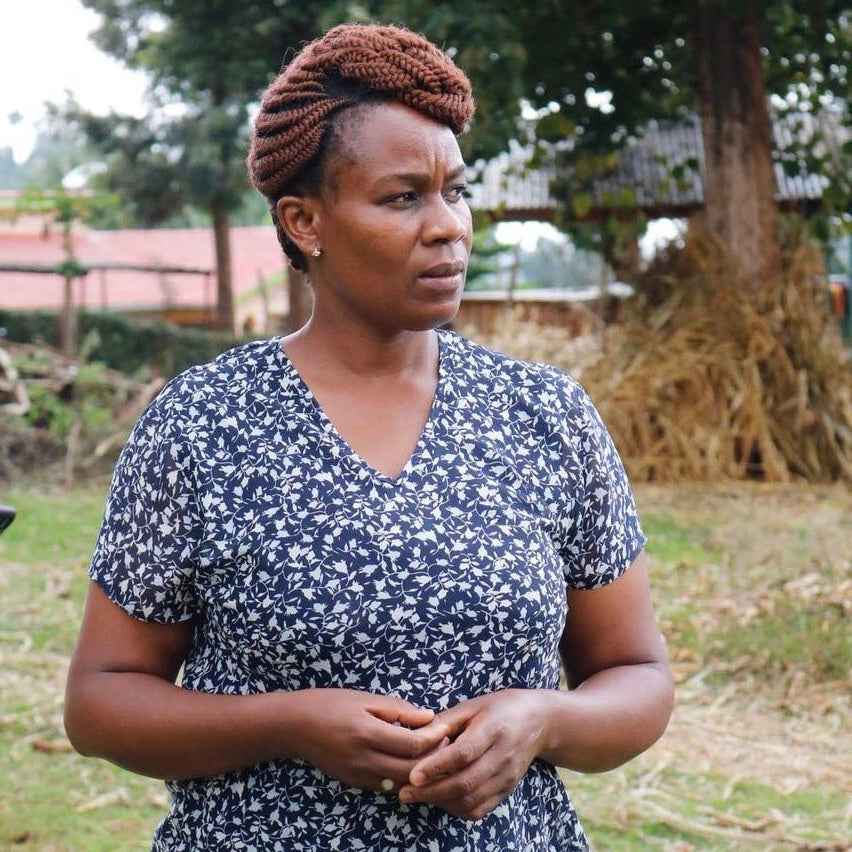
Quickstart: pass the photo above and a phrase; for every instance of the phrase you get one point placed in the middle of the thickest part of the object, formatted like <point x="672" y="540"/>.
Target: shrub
<point x="127" y="345"/>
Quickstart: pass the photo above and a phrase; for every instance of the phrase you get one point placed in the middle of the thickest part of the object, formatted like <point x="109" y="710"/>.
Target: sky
<point x="45" y="51"/>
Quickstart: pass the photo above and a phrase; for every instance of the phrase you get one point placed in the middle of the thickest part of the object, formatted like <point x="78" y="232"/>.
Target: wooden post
<point x="300" y="298"/>
<point x="513" y="274"/>
<point x="67" y="319"/>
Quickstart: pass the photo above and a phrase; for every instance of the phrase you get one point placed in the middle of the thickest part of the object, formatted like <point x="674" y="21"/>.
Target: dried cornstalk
<point x="700" y="383"/>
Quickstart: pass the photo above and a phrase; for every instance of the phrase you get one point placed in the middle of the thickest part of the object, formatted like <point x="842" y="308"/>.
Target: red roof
<point x="255" y="254"/>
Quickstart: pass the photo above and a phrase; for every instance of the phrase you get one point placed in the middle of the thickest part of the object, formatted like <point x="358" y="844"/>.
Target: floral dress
<point x="237" y="504"/>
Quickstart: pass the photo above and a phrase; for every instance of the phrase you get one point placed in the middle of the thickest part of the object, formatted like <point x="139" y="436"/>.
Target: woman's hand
<point x="363" y="739"/>
<point x="122" y="704"/>
<point x="494" y="739"/>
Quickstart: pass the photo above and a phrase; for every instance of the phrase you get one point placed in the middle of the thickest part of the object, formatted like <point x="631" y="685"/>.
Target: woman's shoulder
<point x="497" y="373"/>
<point x="228" y="377"/>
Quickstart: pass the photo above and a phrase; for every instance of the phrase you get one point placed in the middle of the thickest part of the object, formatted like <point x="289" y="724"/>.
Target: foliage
<point x="158" y="168"/>
<point x="47" y="411"/>
<point x="597" y="72"/>
<point x="208" y="62"/>
<point x="486" y="256"/>
<point x="562" y="263"/>
<point x="11" y="173"/>
<point x="85" y="402"/>
<point x="58" y="150"/>
<point x="57" y="205"/>
<point x="217" y="48"/>
<point x="638" y="59"/>
<point x="129" y="346"/>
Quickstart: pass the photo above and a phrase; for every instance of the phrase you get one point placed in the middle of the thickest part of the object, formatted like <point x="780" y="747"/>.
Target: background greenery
<point x="127" y="345"/>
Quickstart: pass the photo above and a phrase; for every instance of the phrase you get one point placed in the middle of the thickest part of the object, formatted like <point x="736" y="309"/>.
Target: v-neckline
<point x="331" y="430"/>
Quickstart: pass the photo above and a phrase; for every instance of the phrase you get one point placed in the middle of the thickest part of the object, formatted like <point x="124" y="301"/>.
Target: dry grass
<point x="704" y="382"/>
<point x="758" y="752"/>
<point x="730" y="776"/>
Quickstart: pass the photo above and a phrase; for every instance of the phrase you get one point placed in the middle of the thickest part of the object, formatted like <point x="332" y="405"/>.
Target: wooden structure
<point x="579" y="311"/>
<point x="146" y="273"/>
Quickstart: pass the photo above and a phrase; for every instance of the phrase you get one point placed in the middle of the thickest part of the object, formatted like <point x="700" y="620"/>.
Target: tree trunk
<point x="300" y="298"/>
<point x="224" y="287"/>
<point x="739" y="183"/>
<point x="68" y="319"/>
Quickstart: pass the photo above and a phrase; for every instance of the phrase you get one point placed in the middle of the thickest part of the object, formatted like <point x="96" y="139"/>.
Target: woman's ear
<point x="297" y="215"/>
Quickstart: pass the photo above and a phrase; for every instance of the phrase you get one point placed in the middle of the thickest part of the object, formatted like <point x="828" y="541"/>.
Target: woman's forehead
<point x="390" y="138"/>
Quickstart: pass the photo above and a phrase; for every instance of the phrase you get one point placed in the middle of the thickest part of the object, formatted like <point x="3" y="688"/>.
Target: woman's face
<point x="392" y="221"/>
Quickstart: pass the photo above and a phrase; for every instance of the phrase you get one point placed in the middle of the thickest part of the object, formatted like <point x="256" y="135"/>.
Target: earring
<point x="316" y="251"/>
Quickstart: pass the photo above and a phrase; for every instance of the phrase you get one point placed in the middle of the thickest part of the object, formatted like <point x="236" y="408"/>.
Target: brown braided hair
<point x="351" y="65"/>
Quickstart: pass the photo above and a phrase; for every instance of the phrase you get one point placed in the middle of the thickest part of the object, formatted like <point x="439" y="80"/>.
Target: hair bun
<point x="386" y="60"/>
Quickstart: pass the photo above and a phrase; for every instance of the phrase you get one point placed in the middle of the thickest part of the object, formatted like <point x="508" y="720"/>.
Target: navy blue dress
<point x="237" y="504"/>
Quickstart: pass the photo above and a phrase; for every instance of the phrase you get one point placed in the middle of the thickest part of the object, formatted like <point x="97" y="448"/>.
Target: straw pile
<point x="703" y="381"/>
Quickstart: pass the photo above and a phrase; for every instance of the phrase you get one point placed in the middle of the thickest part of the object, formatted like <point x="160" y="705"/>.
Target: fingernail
<point x="418" y="779"/>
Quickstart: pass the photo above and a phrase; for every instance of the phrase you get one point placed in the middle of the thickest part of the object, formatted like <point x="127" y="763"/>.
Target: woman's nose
<point x="446" y="222"/>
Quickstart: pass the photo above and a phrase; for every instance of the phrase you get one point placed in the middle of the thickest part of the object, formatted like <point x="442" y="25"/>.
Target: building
<point x="159" y="273"/>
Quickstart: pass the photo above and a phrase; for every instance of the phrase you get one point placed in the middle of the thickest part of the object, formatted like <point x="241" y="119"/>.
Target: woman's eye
<point x="456" y="193"/>
<point x="405" y="198"/>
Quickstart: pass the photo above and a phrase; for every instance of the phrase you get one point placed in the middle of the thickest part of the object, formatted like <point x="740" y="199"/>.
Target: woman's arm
<point x="122" y="704"/>
<point x="620" y="693"/>
<point x="618" y="704"/>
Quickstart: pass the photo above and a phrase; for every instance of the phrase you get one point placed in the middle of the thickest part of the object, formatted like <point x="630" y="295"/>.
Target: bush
<point x="127" y="345"/>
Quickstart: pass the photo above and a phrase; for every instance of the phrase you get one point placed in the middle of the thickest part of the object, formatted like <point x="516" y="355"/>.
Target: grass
<point x="706" y="813"/>
<point x="51" y="799"/>
<point x="753" y="593"/>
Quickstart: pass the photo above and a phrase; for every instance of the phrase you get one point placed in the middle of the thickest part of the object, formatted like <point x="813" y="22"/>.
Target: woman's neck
<point x="360" y="354"/>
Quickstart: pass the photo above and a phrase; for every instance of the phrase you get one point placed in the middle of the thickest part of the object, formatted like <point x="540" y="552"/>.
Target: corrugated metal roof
<point x="255" y="254"/>
<point x="662" y="168"/>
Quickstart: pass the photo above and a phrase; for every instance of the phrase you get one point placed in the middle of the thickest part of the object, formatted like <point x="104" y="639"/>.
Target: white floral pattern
<point x="238" y="504"/>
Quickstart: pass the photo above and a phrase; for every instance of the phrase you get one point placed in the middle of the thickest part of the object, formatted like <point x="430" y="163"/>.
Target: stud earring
<point x="316" y="251"/>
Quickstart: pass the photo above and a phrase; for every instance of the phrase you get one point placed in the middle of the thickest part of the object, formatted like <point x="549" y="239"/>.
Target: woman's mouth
<point x="444" y="276"/>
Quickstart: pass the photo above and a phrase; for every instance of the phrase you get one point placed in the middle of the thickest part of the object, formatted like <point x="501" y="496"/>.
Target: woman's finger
<point x="474" y="799"/>
<point x="479" y="811"/>
<point x="468" y="748"/>
<point x="396" y="710"/>
<point x="380" y="773"/>
<point x="381" y="768"/>
<point x="400" y="741"/>
<point x="465" y="784"/>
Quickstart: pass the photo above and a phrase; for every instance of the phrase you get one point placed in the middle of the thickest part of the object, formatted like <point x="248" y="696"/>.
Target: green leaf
<point x="582" y="204"/>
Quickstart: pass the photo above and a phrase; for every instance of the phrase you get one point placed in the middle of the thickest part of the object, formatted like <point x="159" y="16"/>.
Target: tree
<point x="597" y="71"/>
<point x="58" y="149"/>
<point x="59" y="207"/>
<point x="159" y="168"/>
<point x="208" y="62"/>
<point x="487" y="257"/>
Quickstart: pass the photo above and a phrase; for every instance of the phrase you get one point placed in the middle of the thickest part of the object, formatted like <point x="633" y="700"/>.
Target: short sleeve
<point x="601" y="533"/>
<point x="145" y="555"/>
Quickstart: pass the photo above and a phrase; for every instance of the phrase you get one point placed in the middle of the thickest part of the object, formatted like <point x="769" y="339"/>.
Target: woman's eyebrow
<point x="421" y="178"/>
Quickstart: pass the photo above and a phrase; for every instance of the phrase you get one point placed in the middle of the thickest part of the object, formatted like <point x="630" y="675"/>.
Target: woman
<point x="360" y="542"/>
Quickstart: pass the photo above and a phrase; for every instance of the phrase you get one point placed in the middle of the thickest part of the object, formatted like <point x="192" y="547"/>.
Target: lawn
<point x="754" y="594"/>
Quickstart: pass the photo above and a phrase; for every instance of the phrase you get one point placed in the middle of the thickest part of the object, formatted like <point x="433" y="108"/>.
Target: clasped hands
<point x="465" y="760"/>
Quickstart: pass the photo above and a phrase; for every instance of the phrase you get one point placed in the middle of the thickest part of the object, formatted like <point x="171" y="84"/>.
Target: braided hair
<point x="351" y="65"/>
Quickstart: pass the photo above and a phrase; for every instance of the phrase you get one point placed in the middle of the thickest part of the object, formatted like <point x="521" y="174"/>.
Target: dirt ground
<point x="750" y="550"/>
<point x="753" y="586"/>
